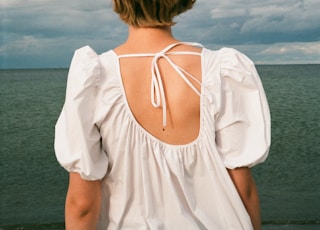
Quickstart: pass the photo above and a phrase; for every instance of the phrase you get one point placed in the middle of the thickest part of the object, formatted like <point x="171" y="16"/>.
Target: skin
<point x="246" y="187"/>
<point x="135" y="74"/>
<point x="84" y="197"/>
<point x="82" y="203"/>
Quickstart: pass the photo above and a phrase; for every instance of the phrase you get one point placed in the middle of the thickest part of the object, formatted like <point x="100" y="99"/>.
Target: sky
<point x="45" y="33"/>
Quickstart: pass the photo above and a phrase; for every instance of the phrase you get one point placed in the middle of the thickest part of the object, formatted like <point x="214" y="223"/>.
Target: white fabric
<point x="149" y="184"/>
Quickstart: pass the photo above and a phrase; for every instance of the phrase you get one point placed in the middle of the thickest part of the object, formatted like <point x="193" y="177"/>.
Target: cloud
<point x="307" y="49"/>
<point x="46" y="32"/>
<point x="282" y="18"/>
<point x="287" y="53"/>
<point x="270" y="21"/>
<point x="46" y="29"/>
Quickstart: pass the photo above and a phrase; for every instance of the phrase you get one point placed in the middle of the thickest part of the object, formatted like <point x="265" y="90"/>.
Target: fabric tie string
<point x="158" y="98"/>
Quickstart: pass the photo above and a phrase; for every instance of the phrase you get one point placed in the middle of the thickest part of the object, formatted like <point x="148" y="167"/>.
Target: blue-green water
<point x="33" y="185"/>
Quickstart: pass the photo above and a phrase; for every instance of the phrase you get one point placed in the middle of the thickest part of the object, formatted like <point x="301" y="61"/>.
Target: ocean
<point x="33" y="185"/>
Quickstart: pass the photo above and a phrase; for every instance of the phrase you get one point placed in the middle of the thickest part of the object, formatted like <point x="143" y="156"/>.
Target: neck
<point x="149" y="38"/>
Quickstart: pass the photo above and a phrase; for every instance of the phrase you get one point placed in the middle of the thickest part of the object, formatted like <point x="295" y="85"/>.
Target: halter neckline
<point x="158" y="97"/>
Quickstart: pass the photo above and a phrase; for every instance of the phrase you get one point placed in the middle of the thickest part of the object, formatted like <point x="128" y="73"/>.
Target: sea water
<point x="33" y="185"/>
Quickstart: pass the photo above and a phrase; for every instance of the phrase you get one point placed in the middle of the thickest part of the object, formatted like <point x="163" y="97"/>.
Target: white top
<point x="149" y="184"/>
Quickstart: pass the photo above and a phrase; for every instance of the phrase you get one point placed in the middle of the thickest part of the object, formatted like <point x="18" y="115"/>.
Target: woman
<point x="175" y="156"/>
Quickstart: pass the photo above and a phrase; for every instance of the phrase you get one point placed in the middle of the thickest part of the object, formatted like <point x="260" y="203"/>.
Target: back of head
<point x="150" y="13"/>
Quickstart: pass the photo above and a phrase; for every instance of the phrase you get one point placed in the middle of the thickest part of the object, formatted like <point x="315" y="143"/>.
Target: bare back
<point x="182" y="103"/>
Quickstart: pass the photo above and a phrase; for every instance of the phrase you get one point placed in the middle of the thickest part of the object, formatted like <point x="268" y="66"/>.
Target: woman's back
<point x="182" y="102"/>
<point x="149" y="129"/>
<point x="178" y="179"/>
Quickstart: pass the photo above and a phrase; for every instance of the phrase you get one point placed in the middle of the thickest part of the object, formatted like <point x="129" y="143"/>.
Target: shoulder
<point x="234" y="59"/>
<point x="227" y="55"/>
<point x="85" y="64"/>
<point x="230" y="62"/>
<point x="86" y="55"/>
<point x="88" y="67"/>
<point x="84" y="72"/>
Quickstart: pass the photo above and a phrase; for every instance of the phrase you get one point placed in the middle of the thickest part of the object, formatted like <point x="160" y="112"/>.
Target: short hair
<point x="150" y="13"/>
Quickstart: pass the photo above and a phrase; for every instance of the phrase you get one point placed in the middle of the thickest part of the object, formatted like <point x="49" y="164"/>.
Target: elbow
<point x="82" y="208"/>
<point x="82" y="203"/>
<point x="245" y="186"/>
<point x="79" y="208"/>
<point x="81" y="213"/>
<point x="250" y="196"/>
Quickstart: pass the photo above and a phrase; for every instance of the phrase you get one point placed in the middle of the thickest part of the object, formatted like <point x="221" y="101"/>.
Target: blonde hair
<point x="150" y="13"/>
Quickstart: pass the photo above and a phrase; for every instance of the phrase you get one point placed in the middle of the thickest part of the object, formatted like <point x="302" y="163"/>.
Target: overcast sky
<point x="45" y="33"/>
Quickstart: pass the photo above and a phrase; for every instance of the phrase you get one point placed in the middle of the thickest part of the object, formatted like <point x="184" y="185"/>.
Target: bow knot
<point x="158" y="98"/>
<point x="157" y="90"/>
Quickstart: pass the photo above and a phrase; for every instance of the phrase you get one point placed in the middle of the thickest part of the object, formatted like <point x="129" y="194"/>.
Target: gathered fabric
<point x="150" y="184"/>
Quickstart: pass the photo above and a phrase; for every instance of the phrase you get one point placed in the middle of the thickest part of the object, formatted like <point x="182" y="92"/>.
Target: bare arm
<point x="247" y="190"/>
<point x="82" y="203"/>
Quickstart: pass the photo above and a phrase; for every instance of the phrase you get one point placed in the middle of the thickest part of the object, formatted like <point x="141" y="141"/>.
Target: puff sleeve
<point x="77" y="137"/>
<point x="243" y="121"/>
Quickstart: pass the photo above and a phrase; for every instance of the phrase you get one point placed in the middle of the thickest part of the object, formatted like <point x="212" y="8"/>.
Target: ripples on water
<point x="33" y="185"/>
<point x="289" y="182"/>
